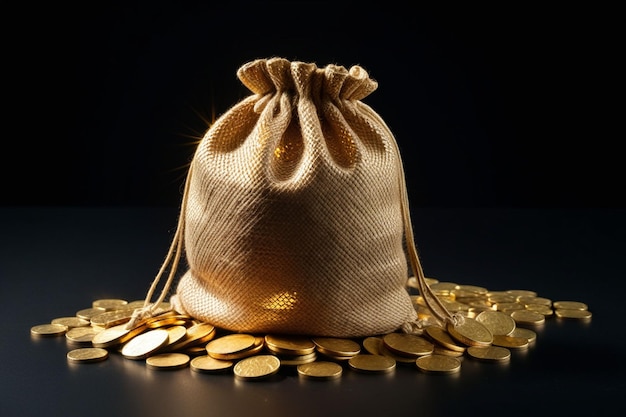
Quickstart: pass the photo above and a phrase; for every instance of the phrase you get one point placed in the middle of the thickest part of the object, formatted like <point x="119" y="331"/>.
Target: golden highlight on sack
<point x="294" y="217"/>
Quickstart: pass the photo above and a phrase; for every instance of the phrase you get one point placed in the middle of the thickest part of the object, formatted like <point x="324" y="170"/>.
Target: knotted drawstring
<point x="439" y="311"/>
<point x="173" y="256"/>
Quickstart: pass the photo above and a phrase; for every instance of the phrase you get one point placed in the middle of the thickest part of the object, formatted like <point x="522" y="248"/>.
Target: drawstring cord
<point x="173" y="256"/>
<point x="439" y="311"/>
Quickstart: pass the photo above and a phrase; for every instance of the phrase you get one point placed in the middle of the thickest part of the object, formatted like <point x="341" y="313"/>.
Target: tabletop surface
<point x="56" y="261"/>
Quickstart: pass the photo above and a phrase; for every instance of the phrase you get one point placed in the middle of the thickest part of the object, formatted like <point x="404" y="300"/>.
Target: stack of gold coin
<point x="291" y="350"/>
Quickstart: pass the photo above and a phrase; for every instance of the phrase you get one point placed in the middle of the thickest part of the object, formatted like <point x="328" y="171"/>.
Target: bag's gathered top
<point x="295" y="217"/>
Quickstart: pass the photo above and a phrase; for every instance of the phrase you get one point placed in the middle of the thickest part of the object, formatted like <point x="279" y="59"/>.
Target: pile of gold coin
<point x="496" y="322"/>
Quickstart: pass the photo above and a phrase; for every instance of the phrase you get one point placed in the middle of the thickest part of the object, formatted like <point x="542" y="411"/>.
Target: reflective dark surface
<point x="55" y="261"/>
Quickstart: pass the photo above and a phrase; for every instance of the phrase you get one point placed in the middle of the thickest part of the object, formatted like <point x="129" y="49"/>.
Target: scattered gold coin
<point x="438" y="364"/>
<point x="497" y="322"/>
<point x="71" y="322"/>
<point x="510" y="342"/>
<point x="470" y="333"/>
<point x="528" y="318"/>
<point x="489" y="353"/>
<point x="225" y="347"/>
<point x="365" y="362"/>
<point x="109" y="303"/>
<point x="208" y="364"/>
<point x="406" y="344"/>
<point x="145" y="344"/>
<point x="320" y="370"/>
<point x="81" y="335"/>
<point x="256" y="367"/>
<point x="49" y="329"/>
<point x="87" y="355"/>
<point x="337" y="347"/>
<point x="573" y="305"/>
<point x="293" y="345"/>
<point x="165" y="361"/>
<point x="569" y="313"/>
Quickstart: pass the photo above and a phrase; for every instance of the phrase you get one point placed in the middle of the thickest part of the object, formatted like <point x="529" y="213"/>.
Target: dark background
<point x="492" y="107"/>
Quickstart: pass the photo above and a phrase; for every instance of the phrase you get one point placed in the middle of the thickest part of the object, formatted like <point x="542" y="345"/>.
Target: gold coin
<point x="112" y="318"/>
<point x="534" y="300"/>
<point x="71" y="322"/>
<point x="293" y="345"/>
<point x="510" y="342"/>
<point x="540" y="308"/>
<point x="441" y="337"/>
<point x="320" y="370"/>
<point x="489" y="353"/>
<point x="256" y="367"/>
<point x="528" y="318"/>
<point x="166" y="361"/>
<point x="88" y="313"/>
<point x="470" y="333"/>
<point x="497" y="322"/>
<point x="109" y="304"/>
<point x="573" y="305"/>
<point x="208" y="364"/>
<point x="197" y="334"/>
<point x="438" y="364"/>
<point x="145" y="344"/>
<point x="49" y="329"/>
<point x="336" y="347"/>
<point x="440" y="350"/>
<point x="368" y="363"/>
<point x="527" y="334"/>
<point x="297" y="359"/>
<point x="406" y="344"/>
<point x="474" y="289"/>
<point x="229" y="344"/>
<point x="505" y="307"/>
<point x="175" y="334"/>
<point x="372" y="344"/>
<point x="115" y="335"/>
<point x="86" y="355"/>
<point x="81" y="335"/>
<point x="568" y="313"/>
<point x="521" y="293"/>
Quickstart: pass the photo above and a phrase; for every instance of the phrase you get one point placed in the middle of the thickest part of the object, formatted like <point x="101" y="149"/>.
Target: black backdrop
<point x="490" y="106"/>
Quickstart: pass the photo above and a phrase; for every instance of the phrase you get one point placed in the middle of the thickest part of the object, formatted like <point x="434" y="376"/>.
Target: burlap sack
<point x="295" y="210"/>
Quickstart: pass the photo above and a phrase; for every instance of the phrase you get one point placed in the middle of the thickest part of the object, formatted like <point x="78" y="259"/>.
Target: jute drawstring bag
<point x="295" y="217"/>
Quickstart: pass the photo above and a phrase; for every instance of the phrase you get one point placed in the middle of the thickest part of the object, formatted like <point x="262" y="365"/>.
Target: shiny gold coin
<point x="166" y="361"/>
<point x="406" y="344"/>
<point x="534" y="300"/>
<point x="541" y="309"/>
<point x="175" y="334"/>
<point x="440" y="350"/>
<point x="116" y="335"/>
<point x="112" y="318"/>
<point x="297" y="359"/>
<point x="438" y="364"/>
<point x="87" y="355"/>
<point x="81" y="335"/>
<point x="88" y="313"/>
<point x="475" y="289"/>
<point x="145" y="344"/>
<point x="229" y="344"/>
<point x="528" y="318"/>
<point x="441" y="337"/>
<point x="489" y="353"/>
<point x="372" y="345"/>
<point x="320" y="370"/>
<point x="527" y="334"/>
<point x="510" y="342"/>
<point x="208" y="364"/>
<point x="367" y="363"/>
<point x="174" y="320"/>
<point x="470" y="333"/>
<point x="337" y="347"/>
<point x="197" y="334"/>
<point x="109" y="304"/>
<point x="71" y="322"/>
<point x="521" y="293"/>
<point x="443" y="285"/>
<point x="571" y="305"/>
<point x="256" y="367"/>
<point x="293" y="345"/>
<point x="506" y="307"/>
<point x="568" y="313"/>
<point x="48" y="330"/>
<point x="497" y="322"/>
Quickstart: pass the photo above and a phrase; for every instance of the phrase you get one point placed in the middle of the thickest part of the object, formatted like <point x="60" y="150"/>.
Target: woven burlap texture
<point x="293" y="221"/>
